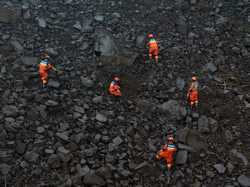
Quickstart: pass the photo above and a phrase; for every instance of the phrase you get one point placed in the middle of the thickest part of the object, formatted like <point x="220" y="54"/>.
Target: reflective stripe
<point x="171" y="146"/>
<point x="44" y="62"/>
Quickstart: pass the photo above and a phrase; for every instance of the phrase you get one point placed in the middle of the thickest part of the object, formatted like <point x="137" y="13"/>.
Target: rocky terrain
<point x="75" y="134"/>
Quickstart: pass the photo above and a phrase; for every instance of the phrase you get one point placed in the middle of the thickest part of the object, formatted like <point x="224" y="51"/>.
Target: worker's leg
<point x="156" y="59"/>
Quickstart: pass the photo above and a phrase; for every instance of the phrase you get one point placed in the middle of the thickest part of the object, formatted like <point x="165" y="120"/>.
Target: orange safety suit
<point x="193" y="94"/>
<point x="153" y="49"/>
<point x="167" y="153"/>
<point x="44" y="68"/>
<point x="114" y="89"/>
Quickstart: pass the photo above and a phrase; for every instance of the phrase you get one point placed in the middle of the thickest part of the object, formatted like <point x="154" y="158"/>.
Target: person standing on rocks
<point x="44" y="68"/>
<point x="114" y="87"/>
<point x="192" y="94"/>
<point x="153" y="48"/>
<point x="168" y="152"/>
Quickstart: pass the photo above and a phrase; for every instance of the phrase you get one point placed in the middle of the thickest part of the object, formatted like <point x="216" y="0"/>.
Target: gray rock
<point x="239" y="155"/>
<point x="142" y="166"/>
<point x="193" y="2"/>
<point x="82" y="171"/>
<point x="181" y="157"/>
<point x="87" y="82"/>
<point x="229" y="167"/>
<point x="228" y="136"/>
<point x="51" y="103"/>
<point x="52" y="51"/>
<point x="185" y="147"/>
<point x="5" y="168"/>
<point x="61" y="149"/>
<point x="140" y="41"/>
<point x="49" y="151"/>
<point x="31" y="156"/>
<point x="79" y="109"/>
<point x="93" y="179"/>
<point x="54" y="161"/>
<point x="220" y="168"/>
<point x="98" y="99"/>
<point x="180" y="83"/>
<point x="62" y="136"/>
<point x="17" y="46"/>
<point x="192" y="138"/>
<point x="10" y="110"/>
<point x="174" y="108"/>
<point x="77" y="25"/>
<point x="101" y="117"/>
<point x="20" y="147"/>
<point x="99" y="18"/>
<point x="42" y="22"/>
<point x="54" y="84"/>
<point x="40" y="130"/>
<point x="117" y="141"/>
<point x="210" y="67"/>
<point x="29" y="61"/>
<point x="105" y="43"/>
<point x="7" y="15"/>
<point x="244" y="180"/>
<point x="203" y="126"/>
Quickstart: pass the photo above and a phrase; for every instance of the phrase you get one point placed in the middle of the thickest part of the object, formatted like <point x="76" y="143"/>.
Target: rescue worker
<point x="192" y="94"/>
<point x="168" y="152"/>
<point x="153" y="48"/>
<point x="114" y="87"/>
<point x="44" y="68"/>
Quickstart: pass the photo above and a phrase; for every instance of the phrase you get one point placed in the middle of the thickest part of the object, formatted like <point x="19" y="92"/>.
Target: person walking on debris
<point x="114" y="87"/>
<point x="192" y="94"/>
<point x="168" y="152"/>
<point x="44" y="68"/>
<point x="153" y="48"/>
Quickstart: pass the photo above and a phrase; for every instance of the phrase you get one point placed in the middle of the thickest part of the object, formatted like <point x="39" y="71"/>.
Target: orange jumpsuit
<point x="44" y="68"/>
<point x="114" y="89"/>
<point x="168" y="154"/>
<point x="153" y="49"/>
<point x="193" y="94"/>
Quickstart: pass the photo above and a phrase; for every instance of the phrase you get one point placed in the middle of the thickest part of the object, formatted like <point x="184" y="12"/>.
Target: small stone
<point x="203" y="126"/>
<point x="20" y="147"/>
<point x="244" y="180"/>
<point x="101" y="117"/>
<point x="79" y="109"/>
<point x="117" y="141"/>
<point x="181" y="157"/>
<point x="49" y="151"/>
<point x="51" y="103"/>
<point x="82" y="171"/>
<point x="220" y="168"/>
<point x="228" y="136"/>
<point x="42" y="22"/>
<point x="62" y="136"/>
<point x="93" y="179"/>
<point x="230" y="167"/>
<point x="10" y="110"/>
<point x="98" y="99"/>
<point x="5" y="169"/>
<point x="17" y="46"/>
<point x="210" y="67"/>
<point x="77" y="25"/>
<point x="31" y="156"/>
<point x="87" y="82"/>
<point x="40" y="130"/>
<point x="54" y="84"/>
<point x="99" y="18"/>
<point x="61" y="149"/>
<point x="180" y="83"/>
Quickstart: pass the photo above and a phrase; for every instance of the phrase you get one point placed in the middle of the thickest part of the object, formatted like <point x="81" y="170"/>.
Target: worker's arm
<point x="158" y="155"/>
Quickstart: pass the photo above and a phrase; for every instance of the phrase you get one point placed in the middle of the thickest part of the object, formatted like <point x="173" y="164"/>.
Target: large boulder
<point x="174" y="109"/>
<point x="105" y="43"/>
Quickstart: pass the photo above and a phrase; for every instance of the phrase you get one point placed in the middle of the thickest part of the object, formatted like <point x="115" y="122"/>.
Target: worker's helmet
<point x="150" y="36"/>
<point x="44" y="55"/>
<point x="194" y="78"/>
<point x="117" y="79"/>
